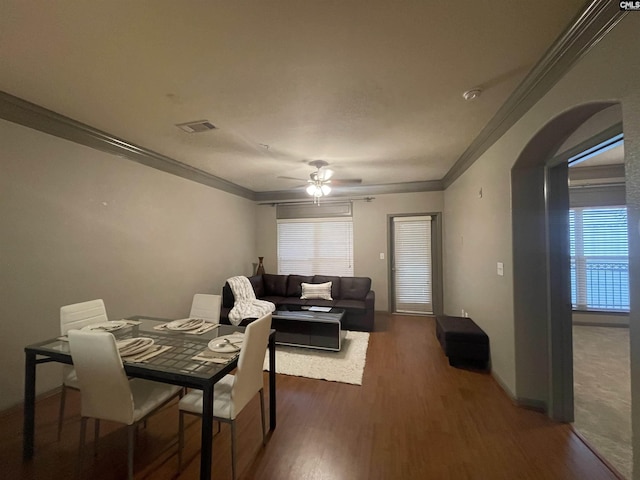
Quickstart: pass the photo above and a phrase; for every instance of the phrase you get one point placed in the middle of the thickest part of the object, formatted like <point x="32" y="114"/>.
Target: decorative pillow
<point x="320" y="291"/>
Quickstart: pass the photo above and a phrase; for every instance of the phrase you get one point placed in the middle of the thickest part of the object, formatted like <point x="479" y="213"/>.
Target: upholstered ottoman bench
<point x="462" y="340"/>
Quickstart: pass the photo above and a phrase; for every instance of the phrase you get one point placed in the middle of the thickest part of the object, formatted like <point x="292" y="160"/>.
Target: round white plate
<point x="133" y="346"/>
<point x="105" y="326"/>
<point x="219" y="344"/>
<point x="185" y="324"/>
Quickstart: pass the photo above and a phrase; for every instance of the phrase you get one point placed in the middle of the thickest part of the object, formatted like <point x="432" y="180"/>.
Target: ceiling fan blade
<point x="346" y="181"/>
<point x="325" y="174"/>
<point x="292" y="178"/>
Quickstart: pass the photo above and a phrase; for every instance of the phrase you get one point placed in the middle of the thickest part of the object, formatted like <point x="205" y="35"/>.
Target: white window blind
<point x="315" y="247"/>
<point x="412" y="264"/>
<point x="599" y="259"/>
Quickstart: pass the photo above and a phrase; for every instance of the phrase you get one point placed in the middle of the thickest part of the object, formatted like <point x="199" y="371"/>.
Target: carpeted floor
<point x="602" y="392"/>
<point x="346" y="366"/>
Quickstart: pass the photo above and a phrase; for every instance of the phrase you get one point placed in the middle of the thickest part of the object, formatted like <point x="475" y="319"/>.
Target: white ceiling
<point x="612" y="156"/>
<point x="373" y="87"/>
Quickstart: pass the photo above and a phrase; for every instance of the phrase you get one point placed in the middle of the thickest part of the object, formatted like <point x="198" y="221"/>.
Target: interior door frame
<point x="541" y="285"/>
<point x="560" y="318"/>
<point x="437" y="278"/>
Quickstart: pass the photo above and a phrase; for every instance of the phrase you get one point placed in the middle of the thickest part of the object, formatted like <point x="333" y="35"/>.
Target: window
<point x="599" y="259"/>
<point x="318" y="246"/>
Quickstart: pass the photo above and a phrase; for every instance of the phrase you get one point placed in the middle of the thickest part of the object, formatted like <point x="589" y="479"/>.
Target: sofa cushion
<point x="354" y="288"/>
<point x="258" y="285"/>
<point x="313" y="291"/>
<point x="294" y="285"/>
<point x="351" y="304"/>
<point x="276" y="300"/>
<point x="275" y="285"/>
<point x="335" y="284"/>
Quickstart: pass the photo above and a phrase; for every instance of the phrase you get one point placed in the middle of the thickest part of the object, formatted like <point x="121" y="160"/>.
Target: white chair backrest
<point x="206" y="307"/>
<point x="106" y="393"/>
<point x="82" y="314"/>
<point x="249" y="378"/>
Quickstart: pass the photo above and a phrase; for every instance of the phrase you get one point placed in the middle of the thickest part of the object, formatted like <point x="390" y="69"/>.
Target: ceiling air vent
<point x="197" y="126"/>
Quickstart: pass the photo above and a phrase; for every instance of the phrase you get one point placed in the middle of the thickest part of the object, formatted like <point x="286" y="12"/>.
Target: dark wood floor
<point x="414" y="417"/>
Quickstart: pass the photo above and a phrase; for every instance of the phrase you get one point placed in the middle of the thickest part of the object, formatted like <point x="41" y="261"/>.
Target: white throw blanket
<point x="246" y="304"/>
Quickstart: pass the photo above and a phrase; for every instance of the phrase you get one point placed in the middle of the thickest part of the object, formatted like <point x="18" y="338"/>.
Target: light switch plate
<point x="500" y="269"/>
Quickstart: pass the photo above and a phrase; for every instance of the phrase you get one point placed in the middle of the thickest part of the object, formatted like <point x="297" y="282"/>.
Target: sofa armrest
<point x="229" y="299"/>
<point x="370" y="301"/>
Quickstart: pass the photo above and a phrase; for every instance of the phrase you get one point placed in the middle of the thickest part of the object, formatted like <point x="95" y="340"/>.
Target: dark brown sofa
<point x="353" y="294"/>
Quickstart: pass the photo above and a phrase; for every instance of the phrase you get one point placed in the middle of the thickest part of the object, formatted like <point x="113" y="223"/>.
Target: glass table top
<point x="176" y="360"/>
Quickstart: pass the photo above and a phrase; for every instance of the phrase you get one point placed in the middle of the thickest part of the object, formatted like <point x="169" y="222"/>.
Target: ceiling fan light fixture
<point x="319" y="179"/>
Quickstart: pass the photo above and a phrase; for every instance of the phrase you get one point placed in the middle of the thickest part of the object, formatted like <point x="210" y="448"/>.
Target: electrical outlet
<point x="463" y="314"/>
<point x="381" y="255"/>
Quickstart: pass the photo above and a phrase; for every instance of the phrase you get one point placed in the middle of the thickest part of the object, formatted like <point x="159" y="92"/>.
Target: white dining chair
<point x="107" y="393"/>
<point x="233" y="392"/>
<point x="76" y="316"/>
<point x="207" y="307"/>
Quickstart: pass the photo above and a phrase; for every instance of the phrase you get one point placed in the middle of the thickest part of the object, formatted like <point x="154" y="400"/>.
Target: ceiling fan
<point x="318" y="183"/>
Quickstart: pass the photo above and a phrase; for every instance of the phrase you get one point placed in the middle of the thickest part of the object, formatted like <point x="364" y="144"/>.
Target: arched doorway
<point x="542" y="305"/>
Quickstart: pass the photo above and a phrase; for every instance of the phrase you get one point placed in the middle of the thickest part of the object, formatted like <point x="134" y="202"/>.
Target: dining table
<point x="175" y="365"/>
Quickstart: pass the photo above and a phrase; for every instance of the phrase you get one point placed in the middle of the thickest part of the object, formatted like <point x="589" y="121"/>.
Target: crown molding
<point x="585" y="31"/>
<point x="359" y="190"/>
<point x="30" y="115"/>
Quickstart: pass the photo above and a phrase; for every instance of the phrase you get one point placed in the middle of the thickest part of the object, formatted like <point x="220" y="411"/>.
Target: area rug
<point x="346" y="366"/>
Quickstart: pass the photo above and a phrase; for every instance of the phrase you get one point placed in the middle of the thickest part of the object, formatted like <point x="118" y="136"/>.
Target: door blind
<point x="412" y="264"/>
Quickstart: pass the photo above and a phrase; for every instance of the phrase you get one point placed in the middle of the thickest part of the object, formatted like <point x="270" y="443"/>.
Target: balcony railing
<point x="600" y="283"/>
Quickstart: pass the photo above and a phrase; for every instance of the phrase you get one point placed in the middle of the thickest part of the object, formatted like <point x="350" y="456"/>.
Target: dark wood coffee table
<point x="304" y="328"/>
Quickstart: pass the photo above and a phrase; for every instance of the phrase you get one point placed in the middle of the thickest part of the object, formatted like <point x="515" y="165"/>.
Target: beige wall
<point x="371" y="232"/>
<point x="267" y="245"/>
<point x="78" y="224"/>
<point x="478" y="231"/>
<point x="477" y="235"/>
<point x="370" y="235"/>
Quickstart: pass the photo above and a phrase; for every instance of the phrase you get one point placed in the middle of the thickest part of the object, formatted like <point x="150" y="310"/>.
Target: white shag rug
<point x="346" y="366"/>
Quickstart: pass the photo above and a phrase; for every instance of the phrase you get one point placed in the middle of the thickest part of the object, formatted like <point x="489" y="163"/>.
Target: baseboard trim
<point x="528" y="403"/>
<point x="20" y="406"/>
<point x="532" y="404"/>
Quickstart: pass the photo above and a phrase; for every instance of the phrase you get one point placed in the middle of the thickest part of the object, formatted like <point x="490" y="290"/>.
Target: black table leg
<point x="272" y="382"/>
<point x="29" y="406"/>
<point x="207" y="433"/>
